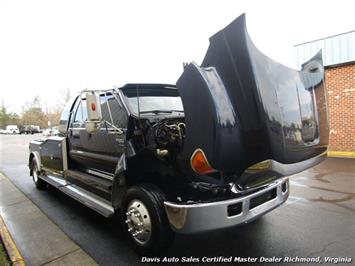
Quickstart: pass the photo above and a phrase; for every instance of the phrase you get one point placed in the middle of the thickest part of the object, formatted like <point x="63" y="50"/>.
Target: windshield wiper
<point x="161" y="111"/>
<point x="156" y="111"/>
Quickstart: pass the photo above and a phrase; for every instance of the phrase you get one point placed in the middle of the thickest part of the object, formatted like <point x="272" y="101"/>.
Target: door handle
<point x="76" y="124"/>
<point x="76" y="133"/>
<point x="117" y="131"/>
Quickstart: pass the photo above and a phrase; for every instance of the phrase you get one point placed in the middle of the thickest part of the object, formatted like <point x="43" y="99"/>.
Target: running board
<point x="85" y="197"/>
<point x="89" y="199"/>
<point x="54" y="180"/>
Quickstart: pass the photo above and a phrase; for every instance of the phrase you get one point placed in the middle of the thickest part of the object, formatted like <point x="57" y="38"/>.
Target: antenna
<point x="139" y="110"/>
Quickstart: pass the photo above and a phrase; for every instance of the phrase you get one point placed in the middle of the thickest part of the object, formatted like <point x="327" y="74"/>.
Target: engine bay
<point x="169" y="136"/>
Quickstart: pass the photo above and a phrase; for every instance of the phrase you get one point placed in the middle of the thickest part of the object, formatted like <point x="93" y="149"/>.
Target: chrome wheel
<point x="35" y="173"/>
<point x="139" y="222"/>
<point x="40" y="183"/>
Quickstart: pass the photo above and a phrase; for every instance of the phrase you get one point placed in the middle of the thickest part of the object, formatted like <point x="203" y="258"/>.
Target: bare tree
<point x="65" y="97"/>
<point x="33" y="114"/>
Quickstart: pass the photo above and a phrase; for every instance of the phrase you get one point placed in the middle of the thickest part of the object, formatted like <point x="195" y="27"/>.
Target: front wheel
<point x="39" y="183"/>
<point x="146" y="220"/>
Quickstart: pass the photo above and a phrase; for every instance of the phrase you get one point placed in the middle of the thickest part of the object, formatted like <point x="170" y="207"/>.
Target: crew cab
<point x="212" y="151"/>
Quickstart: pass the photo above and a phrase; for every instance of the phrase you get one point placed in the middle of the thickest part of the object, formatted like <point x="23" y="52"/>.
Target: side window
<point x="118" y="113"/>
<point x="81" y="115"/>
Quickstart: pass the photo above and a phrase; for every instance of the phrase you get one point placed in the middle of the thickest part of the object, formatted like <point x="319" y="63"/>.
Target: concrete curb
<point x="342" y="154"/>
<point x="10" y="245"/>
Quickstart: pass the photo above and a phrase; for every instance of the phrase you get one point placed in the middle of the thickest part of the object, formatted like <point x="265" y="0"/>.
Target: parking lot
<point x="317" y="220"/>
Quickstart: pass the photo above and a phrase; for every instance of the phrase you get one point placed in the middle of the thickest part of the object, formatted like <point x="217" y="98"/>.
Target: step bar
<point x="85" y="197"/>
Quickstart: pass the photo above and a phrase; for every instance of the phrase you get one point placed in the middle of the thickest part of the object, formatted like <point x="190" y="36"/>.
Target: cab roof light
<point x="200" y="164"/>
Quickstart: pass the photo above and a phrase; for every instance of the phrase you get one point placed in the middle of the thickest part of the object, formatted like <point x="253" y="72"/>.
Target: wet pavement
<point x="317" y="220"/>
<point x="39" y="240"/>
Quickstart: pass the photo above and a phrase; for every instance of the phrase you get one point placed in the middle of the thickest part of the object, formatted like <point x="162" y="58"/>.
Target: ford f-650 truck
<point x="212" y="151"/>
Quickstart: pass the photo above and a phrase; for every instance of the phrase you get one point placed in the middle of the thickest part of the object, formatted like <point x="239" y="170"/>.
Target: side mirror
<point x="93" y="106"/>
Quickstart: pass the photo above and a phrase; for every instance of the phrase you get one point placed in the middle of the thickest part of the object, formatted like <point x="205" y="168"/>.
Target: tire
<point x="146" y="200"/>
<point x="39" y="183"/>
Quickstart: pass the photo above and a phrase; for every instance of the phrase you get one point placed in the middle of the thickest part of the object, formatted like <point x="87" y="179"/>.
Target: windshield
<point x="153" y="99"/>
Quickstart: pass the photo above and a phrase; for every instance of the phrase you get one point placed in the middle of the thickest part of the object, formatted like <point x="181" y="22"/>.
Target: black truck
<point x="29" y="129"/>
<point x="212" y="151"/>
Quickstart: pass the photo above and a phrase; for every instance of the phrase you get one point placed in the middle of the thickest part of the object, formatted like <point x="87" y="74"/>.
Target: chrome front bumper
<point x="200" y="217"/>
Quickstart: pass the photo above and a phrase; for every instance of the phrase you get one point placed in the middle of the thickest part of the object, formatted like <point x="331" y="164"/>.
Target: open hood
<point x="242" y="108"/>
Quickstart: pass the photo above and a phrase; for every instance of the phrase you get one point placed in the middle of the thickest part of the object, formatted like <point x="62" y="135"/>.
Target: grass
<point x="4" y="260"/>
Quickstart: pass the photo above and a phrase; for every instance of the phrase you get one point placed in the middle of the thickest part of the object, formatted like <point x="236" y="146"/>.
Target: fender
<point x="35" y="154"/>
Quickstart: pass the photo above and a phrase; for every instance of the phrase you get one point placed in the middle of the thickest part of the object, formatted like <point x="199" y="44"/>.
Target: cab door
<point x="102" y="150"/>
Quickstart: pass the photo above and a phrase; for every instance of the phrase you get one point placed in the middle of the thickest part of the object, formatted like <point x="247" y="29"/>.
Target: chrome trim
<point x="293" y="168"/>
<point x="55" y="181"/>
<point x="57" y="138"/>
<point x="89" y="199"/>
<point x="200" y="217"/>
<point x="35" y="173"/>
<point x="85" y="197"/>
<point x="38" y="142"/>
<point x="285" y="169"/>
<point x="139" y="222"/>
<point x="103" y="175"/>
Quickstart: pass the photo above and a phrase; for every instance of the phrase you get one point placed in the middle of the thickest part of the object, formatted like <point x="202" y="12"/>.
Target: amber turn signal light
<point x="200" y="164"/>
<point x="93" y="107"/>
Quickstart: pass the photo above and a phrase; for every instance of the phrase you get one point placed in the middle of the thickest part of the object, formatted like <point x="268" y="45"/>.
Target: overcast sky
<point x="47" y="46"/>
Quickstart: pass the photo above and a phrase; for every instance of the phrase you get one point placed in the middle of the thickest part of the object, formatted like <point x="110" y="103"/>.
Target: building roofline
<point x="325" y="38"/>
<point x="340" y="64"/>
